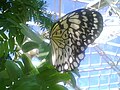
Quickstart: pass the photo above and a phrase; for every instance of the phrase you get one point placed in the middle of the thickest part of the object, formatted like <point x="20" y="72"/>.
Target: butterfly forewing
<point x="71" y="35"/>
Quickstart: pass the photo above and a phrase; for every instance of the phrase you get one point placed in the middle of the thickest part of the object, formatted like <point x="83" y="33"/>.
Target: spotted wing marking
<point x="71" y="35"/>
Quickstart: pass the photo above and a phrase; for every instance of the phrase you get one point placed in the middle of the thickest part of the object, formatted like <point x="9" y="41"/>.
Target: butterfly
<point x="71" y="35"/>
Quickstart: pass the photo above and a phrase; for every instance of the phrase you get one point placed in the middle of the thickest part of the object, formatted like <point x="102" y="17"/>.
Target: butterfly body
<point x="71" y="35"/>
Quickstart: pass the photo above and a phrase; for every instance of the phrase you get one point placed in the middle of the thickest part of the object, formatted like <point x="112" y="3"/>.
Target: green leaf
<point x="48" y="74"/>
<point x="73" y="81"/>
<point x="20" y="39"/>
<point x="29" y="33"/>
<point x="6" y="51"/>
<point x="56" y="78"/>
<point x="44" y="50"/>
<point x="21" y="65"/>
<point x="13" y="70"/>
<point x="27" y="83"/>
<point x="1" y="49"/>
<point x="2" y="63"/>
<point x="4" y="74"/>
<point x="46" y="66"/>
<point x="4" y="79"/>
<point x="76" y="71"/>
<point x="11" y="43"/>
<point x="28" y="86"/>
<point x="2" y="84"/>
<point x="4" y="48"/>
<point x="1" y="38"/>
<point x="29" y="67"/>
<point x="42" y="55"/>
<point x="57" y="87"/>
<point x="4" y="35"/>
<point x="11" y="18"/>
<point x="29" y="46"/>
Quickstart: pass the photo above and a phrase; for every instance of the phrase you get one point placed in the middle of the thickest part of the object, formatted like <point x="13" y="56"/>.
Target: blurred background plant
<point x="17" y="38"/>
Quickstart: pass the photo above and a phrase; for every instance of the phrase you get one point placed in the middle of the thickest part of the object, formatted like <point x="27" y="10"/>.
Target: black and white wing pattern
<point x="71" y="35"/>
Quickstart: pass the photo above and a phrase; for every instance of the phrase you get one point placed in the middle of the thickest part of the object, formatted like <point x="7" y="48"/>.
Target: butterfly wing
<point x="71" y="35"/>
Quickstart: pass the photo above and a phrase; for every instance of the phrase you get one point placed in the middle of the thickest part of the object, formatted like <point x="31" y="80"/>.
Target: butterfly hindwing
<point x="71" y="35"/>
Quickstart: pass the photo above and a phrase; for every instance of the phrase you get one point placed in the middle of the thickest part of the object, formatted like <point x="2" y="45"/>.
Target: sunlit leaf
<point x="29" y="67"/>
<point x="29" y="33"/>
<point x="29" y="46"/>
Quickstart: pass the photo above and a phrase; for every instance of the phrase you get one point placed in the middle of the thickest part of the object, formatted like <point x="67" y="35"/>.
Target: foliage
<point x="16" y="69"/>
